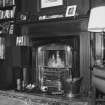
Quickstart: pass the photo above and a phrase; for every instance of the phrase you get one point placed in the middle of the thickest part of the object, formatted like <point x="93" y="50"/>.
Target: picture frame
<point x="71" y="11"/>
<point x="50" y="3"/>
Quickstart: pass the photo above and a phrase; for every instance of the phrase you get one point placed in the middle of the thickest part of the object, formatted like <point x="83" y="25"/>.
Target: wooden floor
<point x="16" y="98"/>
<point x="4" y="100"/>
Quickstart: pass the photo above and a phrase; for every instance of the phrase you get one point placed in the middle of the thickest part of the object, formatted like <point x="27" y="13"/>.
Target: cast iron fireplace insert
<point x="55" y="59"/>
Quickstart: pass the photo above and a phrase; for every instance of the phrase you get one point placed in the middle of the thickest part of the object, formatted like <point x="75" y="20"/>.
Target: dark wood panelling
<point x="29" y="6"/>
<point x="98" y="3"/>
<point x="85" y="59"/>
<point x="16" y="54"/>
<point x="21" y="56"/>
<point x="26" y="56"/>
<point x="18" y="5"/>
<point x="32" y="7"/>
<point x="6" y="70"/>
<point x="82" y="6"/>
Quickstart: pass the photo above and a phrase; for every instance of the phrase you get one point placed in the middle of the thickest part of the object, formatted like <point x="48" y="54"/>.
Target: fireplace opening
<point x="55" y="60"/>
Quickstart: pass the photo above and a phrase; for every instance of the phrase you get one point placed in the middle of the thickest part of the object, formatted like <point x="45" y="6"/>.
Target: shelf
<point x="100" y="100"/>
<point x="9" y="7"/>
<point x="56" y="20"/>
<point x="6" y="20"/>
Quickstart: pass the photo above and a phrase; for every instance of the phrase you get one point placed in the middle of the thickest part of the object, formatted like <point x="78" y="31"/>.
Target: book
<point x="1" y="14"/>
<point x="9" y="2"/>
<point x="11" y="29"/>
<point x="1" y="3"/>
<point x="13" y="12"/>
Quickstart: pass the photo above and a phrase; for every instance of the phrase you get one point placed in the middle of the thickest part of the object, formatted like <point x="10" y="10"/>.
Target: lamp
<point x="97" y="25"/>
<point x="97" y="19"/>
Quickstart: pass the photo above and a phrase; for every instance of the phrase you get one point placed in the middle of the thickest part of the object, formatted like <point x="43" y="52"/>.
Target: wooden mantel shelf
<point x="53" y="20"/>
<point x="56" y="27"/>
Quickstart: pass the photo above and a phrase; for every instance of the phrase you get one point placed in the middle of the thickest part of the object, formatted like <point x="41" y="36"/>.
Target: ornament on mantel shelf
<point x="22" y="41"/>
<point x="71" y="11"/>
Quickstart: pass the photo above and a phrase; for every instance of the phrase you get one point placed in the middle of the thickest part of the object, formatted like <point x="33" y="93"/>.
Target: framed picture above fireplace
<point x="46" y="7"/>
<point x="71" y="11"/>
<point x="50" y="3"/>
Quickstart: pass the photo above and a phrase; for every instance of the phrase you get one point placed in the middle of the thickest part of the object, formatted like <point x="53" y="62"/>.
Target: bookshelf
<point x="7" y="9"/>
<point x="4" y="3"/>
<point x="7" y="16"/>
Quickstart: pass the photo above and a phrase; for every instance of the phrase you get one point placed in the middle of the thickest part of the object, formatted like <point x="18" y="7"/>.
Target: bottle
<point x="23" y="85"/>
<point x="18" y="84"/>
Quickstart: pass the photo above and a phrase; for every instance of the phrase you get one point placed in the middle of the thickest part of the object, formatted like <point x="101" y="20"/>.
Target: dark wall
<point x="21" y="56"/>
<point x="15" y="59"/>
<point x="6" y="69"/>
<point x="29" y="6"/>
<point x="32" y="6"/>
<point x="98" y="3"/>
<point x="82" y="6"/>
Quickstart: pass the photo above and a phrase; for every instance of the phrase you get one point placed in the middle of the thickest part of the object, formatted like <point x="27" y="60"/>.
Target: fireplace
<point x="55" y="59"/>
